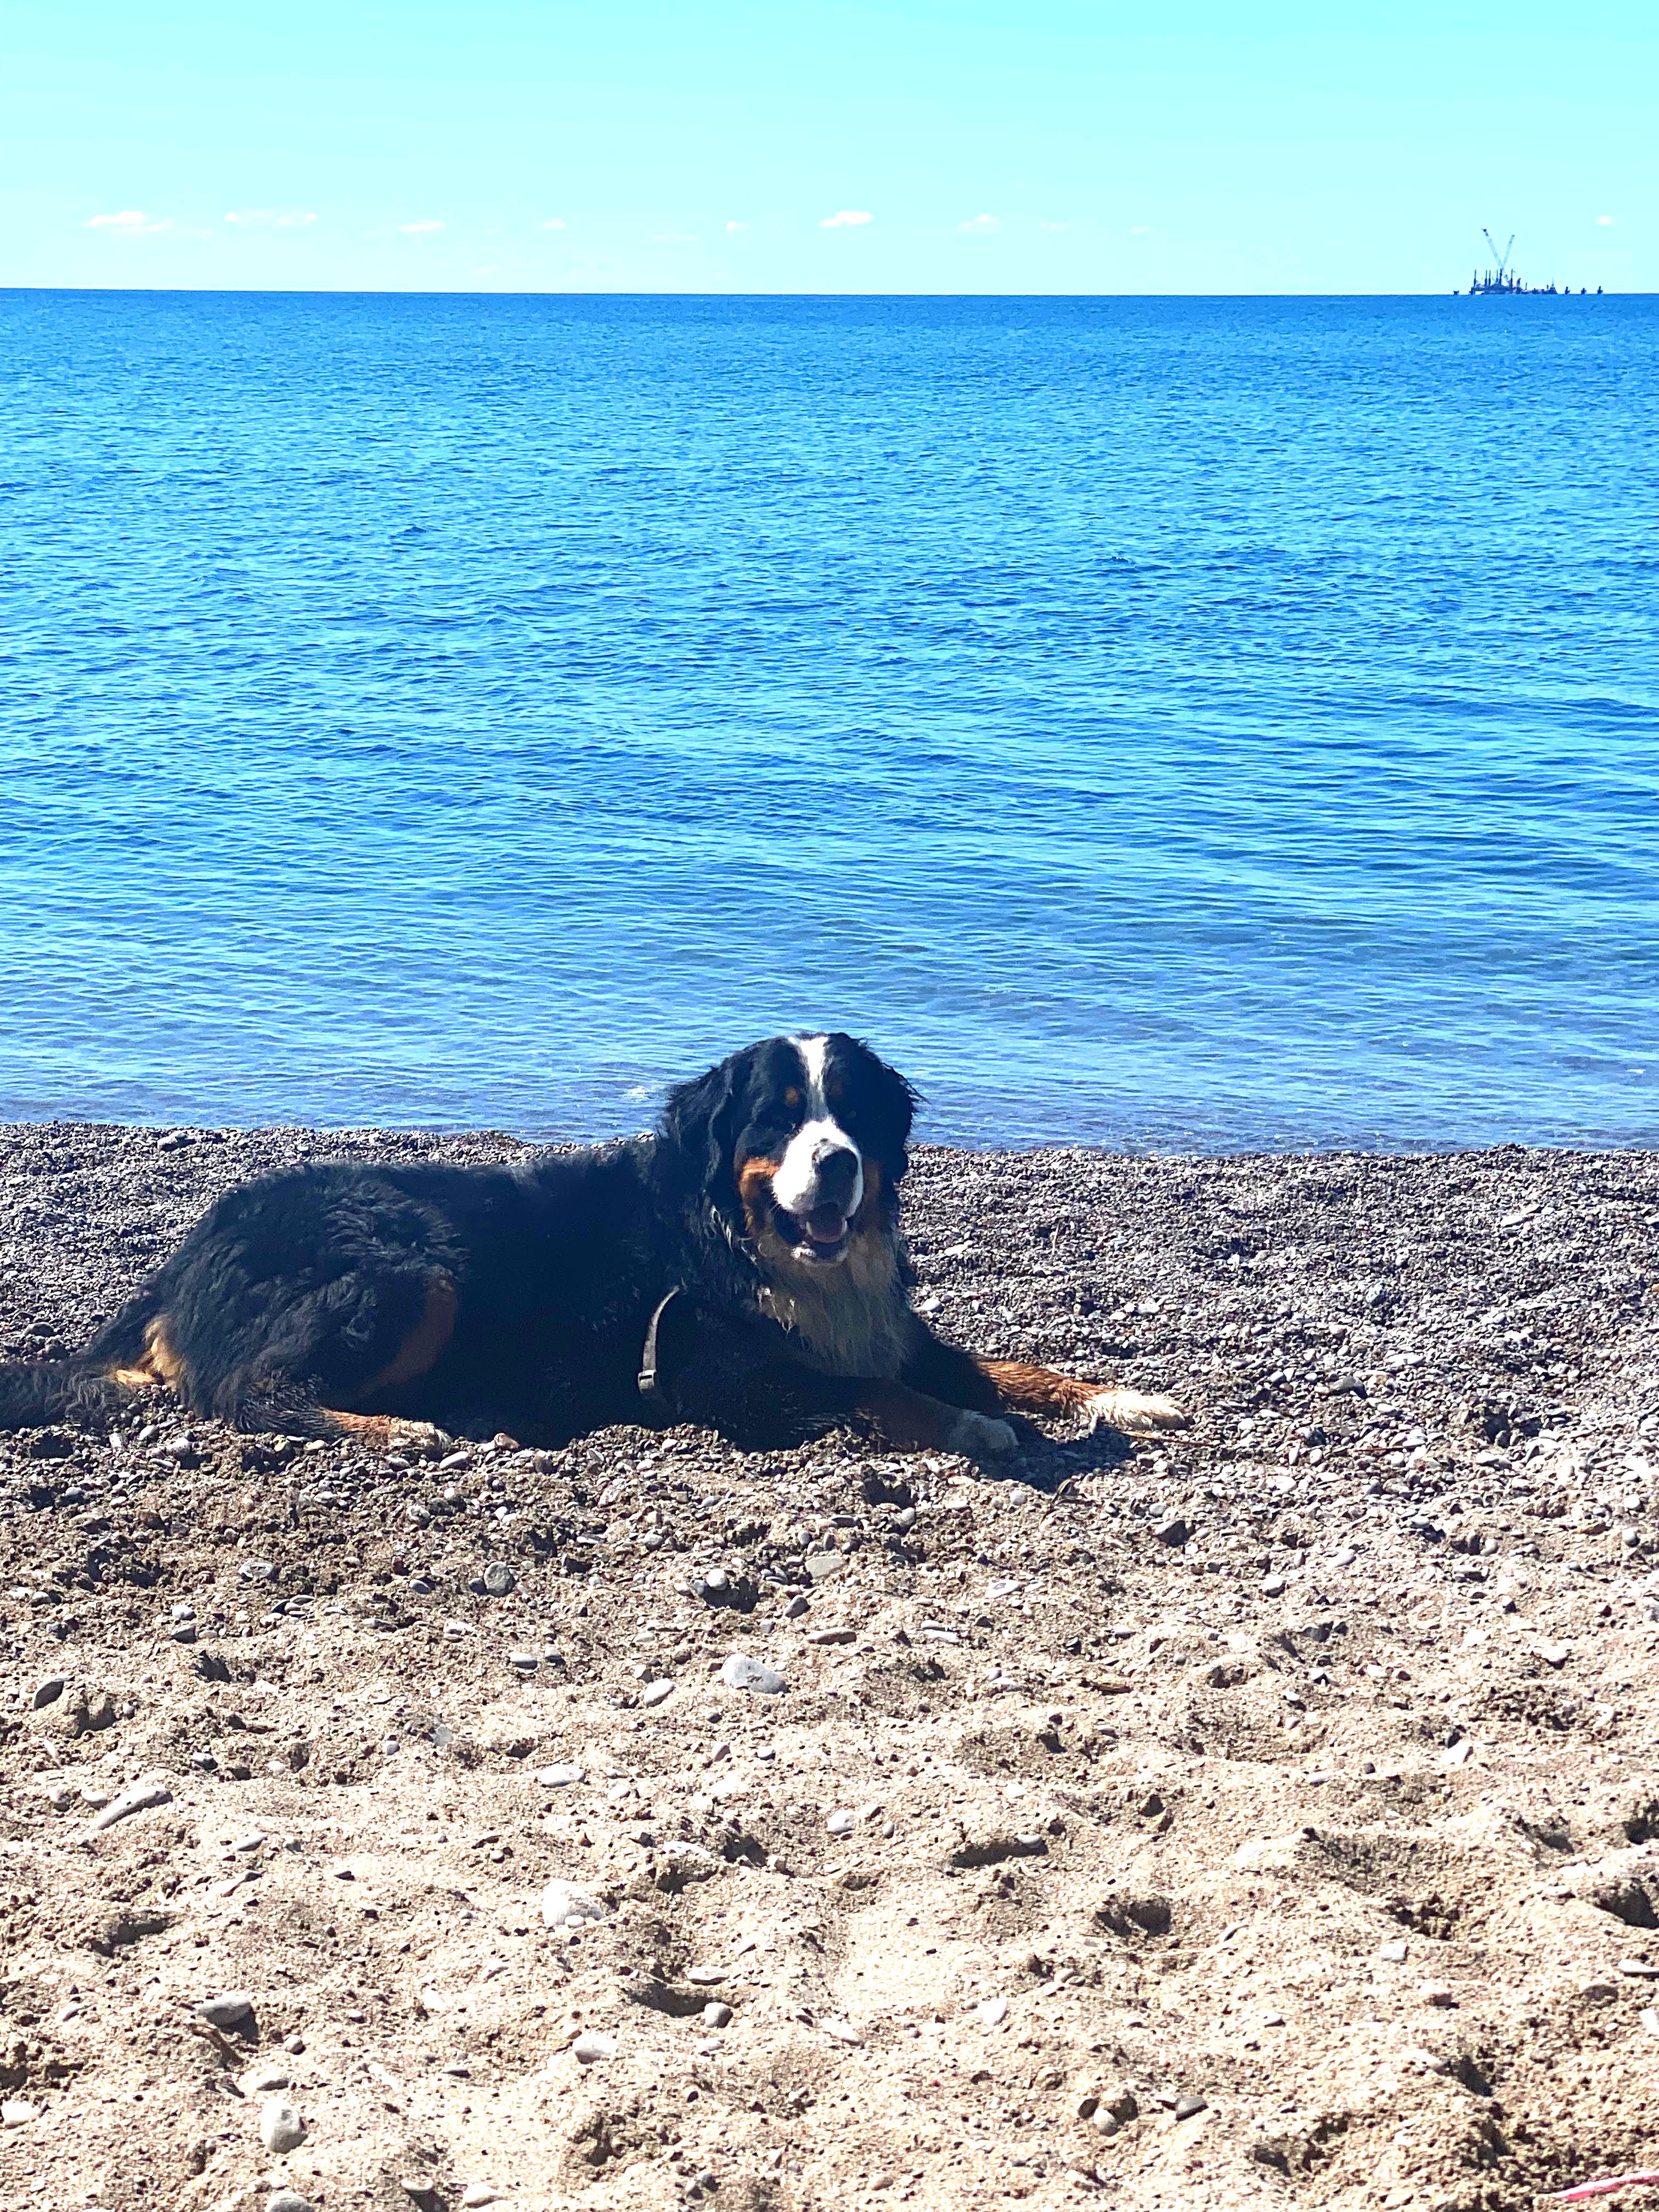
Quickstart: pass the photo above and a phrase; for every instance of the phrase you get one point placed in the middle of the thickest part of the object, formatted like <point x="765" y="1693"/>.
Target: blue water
<point x="1184" y="723"/>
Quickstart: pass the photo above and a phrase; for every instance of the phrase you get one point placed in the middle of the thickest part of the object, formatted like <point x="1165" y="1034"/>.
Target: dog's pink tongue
<point x="825" y="1225"/>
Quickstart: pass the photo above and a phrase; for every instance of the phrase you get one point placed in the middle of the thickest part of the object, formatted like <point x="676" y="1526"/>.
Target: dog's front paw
<point x="1135" y="1411"/>
<point x="977" y="1436"/>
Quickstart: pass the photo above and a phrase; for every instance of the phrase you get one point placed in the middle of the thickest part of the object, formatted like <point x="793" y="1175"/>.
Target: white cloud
<point x="732" y="228"/>
<point x="270" y="218"/>
<point x="1140" y="230"/>
<point x="673" y="238"/>
<point x="980" y="226"/>
<point x="1605" y="223"/>
<point x="1054" y="226"/>
<point x="555" y="222"/>
<point x="131" y="222"/>
<point x="846" y="219"/>
<point x="418" y="229"/>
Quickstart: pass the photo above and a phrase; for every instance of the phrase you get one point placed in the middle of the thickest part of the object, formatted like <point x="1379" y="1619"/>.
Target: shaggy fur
<point x="403" y="1302"/>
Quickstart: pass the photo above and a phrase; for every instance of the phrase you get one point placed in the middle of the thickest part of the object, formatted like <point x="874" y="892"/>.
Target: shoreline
<point x="1301" y="1764"/>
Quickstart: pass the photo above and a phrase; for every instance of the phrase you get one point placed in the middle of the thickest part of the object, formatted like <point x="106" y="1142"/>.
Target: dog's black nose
<point x="836" y="1171"/>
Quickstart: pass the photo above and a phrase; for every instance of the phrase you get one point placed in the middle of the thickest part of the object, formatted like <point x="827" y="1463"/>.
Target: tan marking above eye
<point x="792" y="1096"/>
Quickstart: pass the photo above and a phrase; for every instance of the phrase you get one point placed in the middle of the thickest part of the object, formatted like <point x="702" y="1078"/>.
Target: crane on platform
<point x="1502" y="258"/>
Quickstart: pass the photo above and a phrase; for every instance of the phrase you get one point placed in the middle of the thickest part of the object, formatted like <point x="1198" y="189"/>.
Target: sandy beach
<point x="1267" y="1815"/>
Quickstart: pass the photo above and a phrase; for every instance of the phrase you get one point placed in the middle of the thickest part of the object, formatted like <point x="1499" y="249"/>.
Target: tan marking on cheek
<point x="869" y="1215"/>
<point x="755" y="1189"/>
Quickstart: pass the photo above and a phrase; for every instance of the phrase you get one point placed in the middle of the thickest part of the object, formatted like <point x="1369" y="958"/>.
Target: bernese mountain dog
<point x="741" y="1266"/>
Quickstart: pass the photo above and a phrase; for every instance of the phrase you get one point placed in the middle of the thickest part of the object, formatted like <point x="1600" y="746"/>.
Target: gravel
<point x="1419" y="1495"/>
<point x="281" y="2127"/>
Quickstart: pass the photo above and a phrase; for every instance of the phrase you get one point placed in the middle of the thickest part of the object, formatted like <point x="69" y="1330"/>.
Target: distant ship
<point x="1502" y="278"/>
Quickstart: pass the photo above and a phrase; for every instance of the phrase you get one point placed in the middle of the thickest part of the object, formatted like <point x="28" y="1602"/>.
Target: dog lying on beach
<point x="741" y="1266"/>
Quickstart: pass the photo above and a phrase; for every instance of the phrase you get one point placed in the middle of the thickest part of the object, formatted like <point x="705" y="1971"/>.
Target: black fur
<point x="295" y="1290"/>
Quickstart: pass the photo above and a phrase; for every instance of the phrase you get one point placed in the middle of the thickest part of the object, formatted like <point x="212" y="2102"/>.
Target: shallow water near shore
<point x="1186" y="724"/>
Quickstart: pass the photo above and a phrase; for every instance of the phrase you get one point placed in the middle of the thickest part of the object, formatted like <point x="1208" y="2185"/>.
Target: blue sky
<point x="921" y="146"/>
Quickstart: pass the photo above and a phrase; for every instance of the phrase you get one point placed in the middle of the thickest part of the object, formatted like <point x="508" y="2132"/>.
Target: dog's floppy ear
<point x="890" y="1104"/>
<point x="699" y="1124"/>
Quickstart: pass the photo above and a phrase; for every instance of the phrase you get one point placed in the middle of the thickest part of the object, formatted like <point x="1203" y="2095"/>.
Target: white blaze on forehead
<point x="795" y="1185"/>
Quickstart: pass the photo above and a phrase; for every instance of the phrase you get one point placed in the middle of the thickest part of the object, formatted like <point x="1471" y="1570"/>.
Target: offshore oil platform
<point x="1500" y="277"/>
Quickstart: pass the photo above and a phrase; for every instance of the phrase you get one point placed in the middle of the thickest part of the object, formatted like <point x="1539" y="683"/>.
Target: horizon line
<point x="709" y="292"/>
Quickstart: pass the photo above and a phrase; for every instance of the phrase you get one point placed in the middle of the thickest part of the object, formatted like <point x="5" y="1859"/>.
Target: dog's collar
<point x="650" y="1388"/>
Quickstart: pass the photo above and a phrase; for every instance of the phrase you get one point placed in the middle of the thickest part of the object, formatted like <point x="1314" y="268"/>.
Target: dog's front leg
<point x="1020" y="1386"/>
<point x="910" y="1420"/>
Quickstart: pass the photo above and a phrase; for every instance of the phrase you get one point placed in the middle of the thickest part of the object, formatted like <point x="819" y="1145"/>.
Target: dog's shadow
<point x="1047" y="1463"/>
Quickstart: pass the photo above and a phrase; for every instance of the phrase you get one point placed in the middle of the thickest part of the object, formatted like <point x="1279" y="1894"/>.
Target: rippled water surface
<point x="1184" y="723"/>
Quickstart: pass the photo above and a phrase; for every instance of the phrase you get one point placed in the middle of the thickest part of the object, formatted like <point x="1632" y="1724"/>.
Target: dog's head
<point x="799" y="1144"/>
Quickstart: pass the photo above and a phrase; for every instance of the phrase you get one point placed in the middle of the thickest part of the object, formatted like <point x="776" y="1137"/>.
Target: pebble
<point x="1274" y="1586"/>
<point x="256" y="1570"/>
<point x="226" y="2010"/>
<point x="1393" y="1955"/>
<point x="842" y="1821"/>
<point x="1344" y="1556"/>
<point x="287" y="2200"/>
<point x="717" y="2015"/>
<point x="499" y="1579"/>
<point x="565" y="1906"/>
<point x="477" y="2193"/>
<point x="1187" y="2105"/>
<point x="993" y="2012"/>
<point x="263" y="2078"/>
<point x="559" y="1777"/>
<point x="525" y="1661"/>
<point x="138" y="1799"/>
<point x="796" y="1607"/>
<point x="591" y="2049"/>
<point x="656" y="1693"/>
<point x="1173" y="1532"/>
<point x="1555" y="1655"/>
<point x="253" y="1841"/>
<point x="832" y="1636"/>
<point x="47" y="1692"/>
<point x="1650" y="2021"/>
<point x="1437" y="1993"/>
<point x="1639" y="1970"/>
<point x="281" y="2127"/>
<point x="1004" y="1586"/>
<point x="843" y="2030"/>
<point x="824" y="1566"/>
<point x="715" y="1580"/>
<point x="17" y="2113"/>
<point x="740" y="1671"/>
